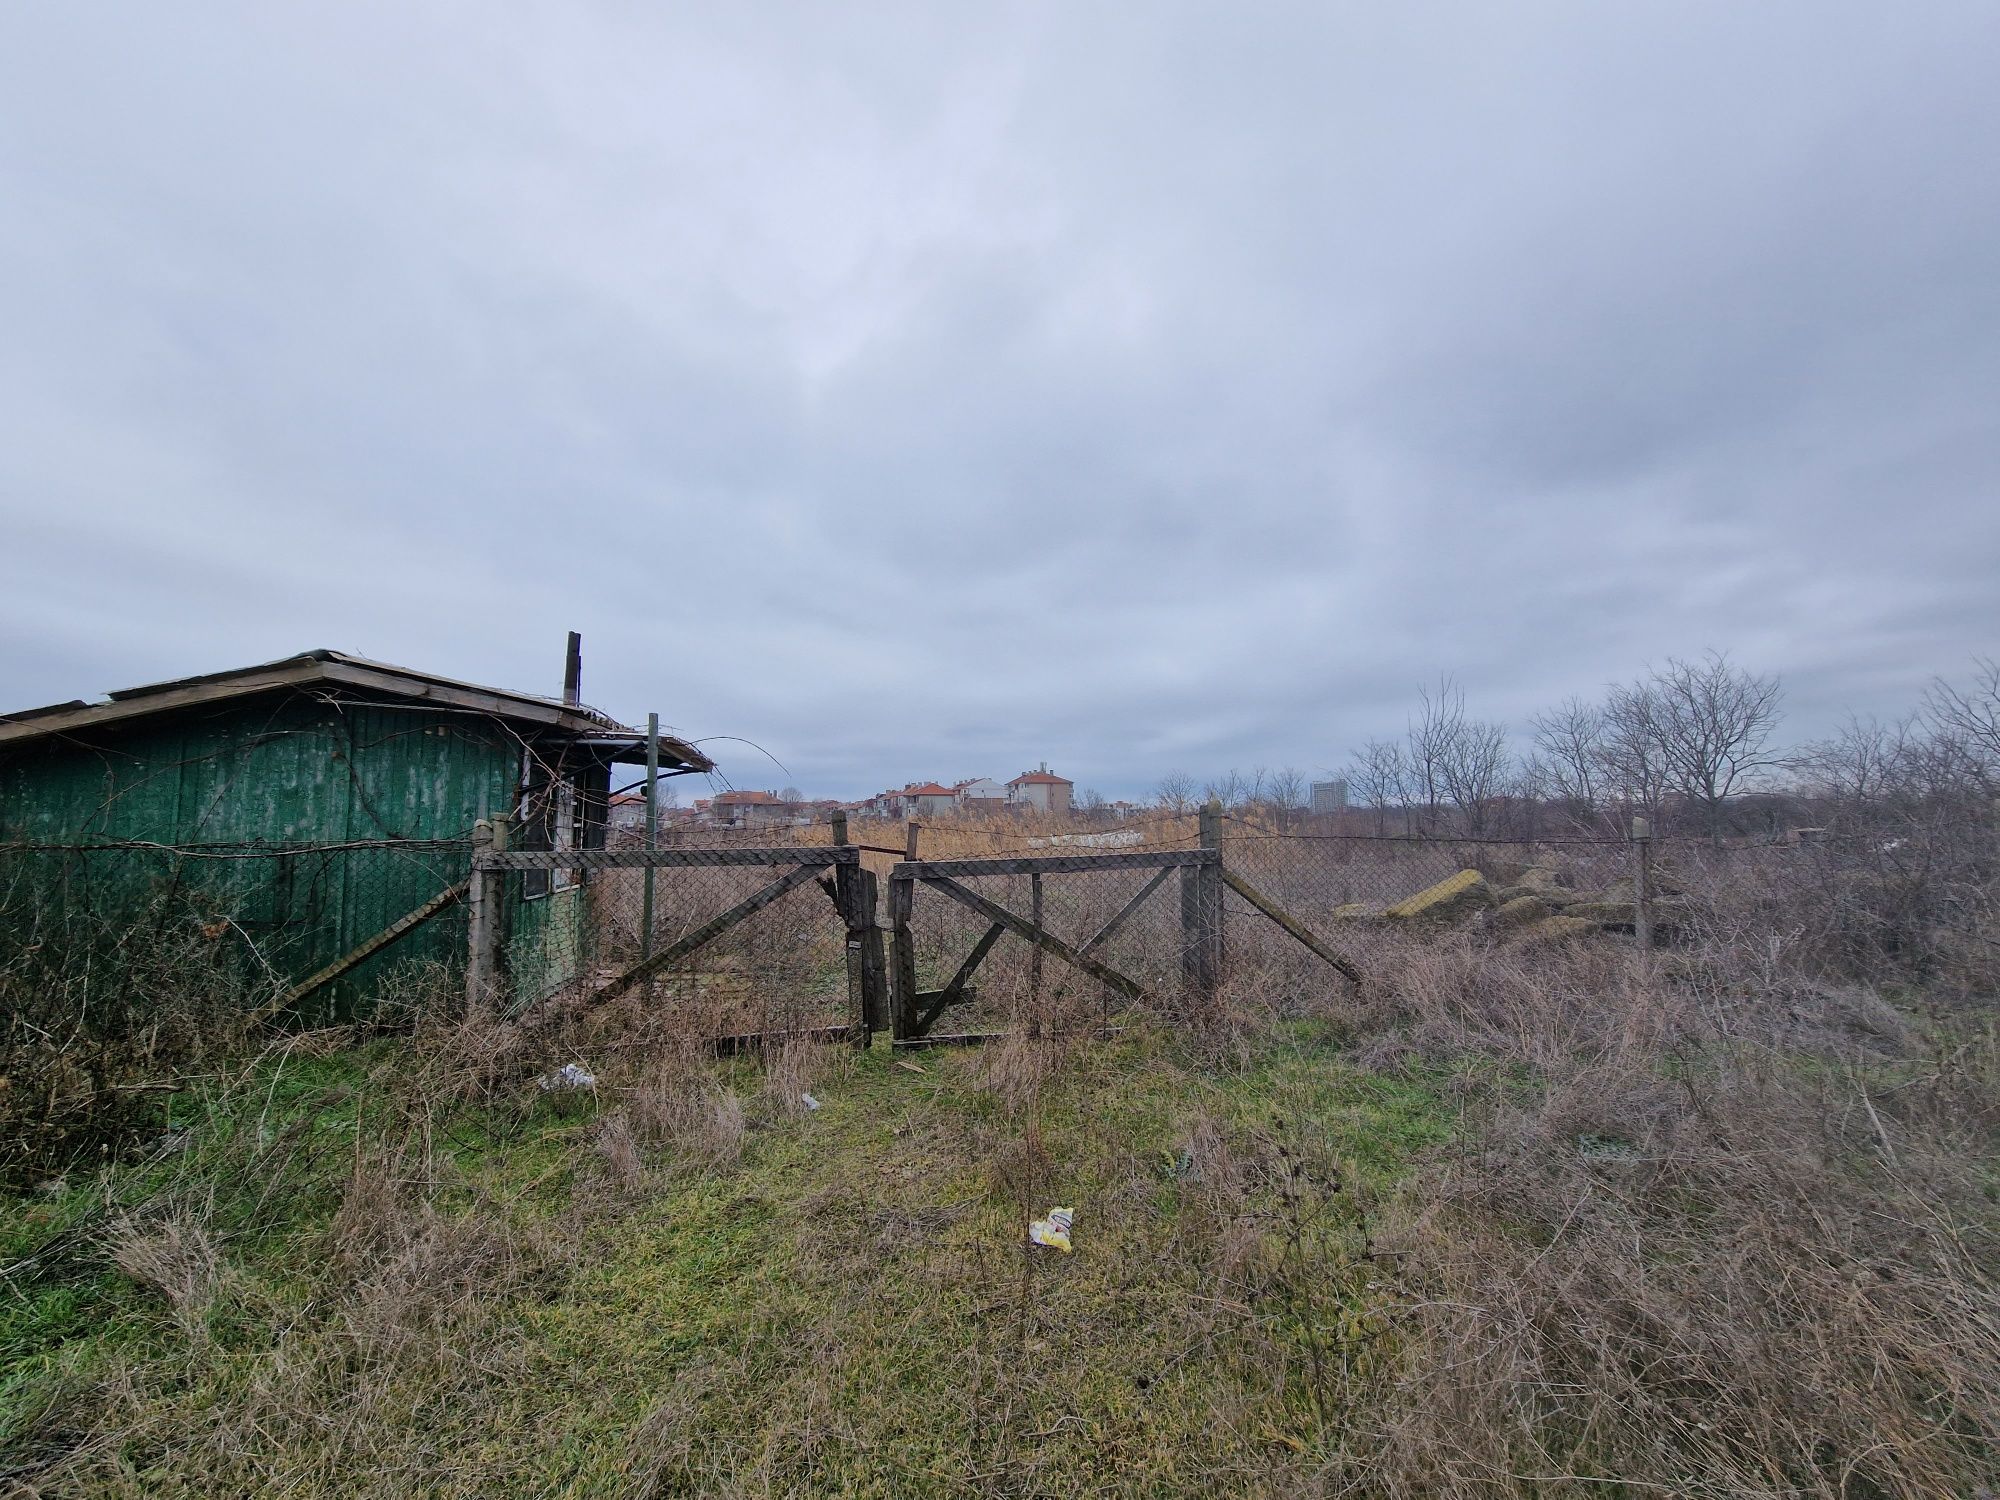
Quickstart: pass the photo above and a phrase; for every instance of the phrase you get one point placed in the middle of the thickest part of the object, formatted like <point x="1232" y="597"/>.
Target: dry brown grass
<point x="175" y="1258"/>
<point x="1717" y="1223"/>
<point x="1725" y="1235"/>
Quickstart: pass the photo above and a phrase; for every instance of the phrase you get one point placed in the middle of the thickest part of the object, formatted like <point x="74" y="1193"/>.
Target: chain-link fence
<point x="974" y="974"/>
<point x="285" y="926"/>
<point x="722" y="933"/>
<point x="123" y="966"/>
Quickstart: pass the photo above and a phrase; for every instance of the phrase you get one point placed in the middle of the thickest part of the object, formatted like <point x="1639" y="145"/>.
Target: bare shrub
<point x="1708" y="1283"/>
<point x="791" y="1067"/>
<point x="618" y="1148"/>
<point x="1016" y="1066"/>
<point x="175" y="1258"/>
<point x="679" y="1105"/>
<point x="99" y="1015"/>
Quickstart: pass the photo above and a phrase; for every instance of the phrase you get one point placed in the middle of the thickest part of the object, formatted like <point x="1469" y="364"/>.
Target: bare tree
<point x="1229" y="790"/>
<point x="1376" y="778"/>
<point x="1454" y="758"/>
<point x="1427" y="737"/>
<point x="1967" y="720"/>
<point x="792" y="795"/>
<point x="1714" y="722"/>
<point x="1286" y="789"/>
<point x="1861" y="762"/>
<point x="1476" y="772"/>
<point x="1633" y="765"/>
<point x="1569" y="744"/>
<point x="1175" y="792"/>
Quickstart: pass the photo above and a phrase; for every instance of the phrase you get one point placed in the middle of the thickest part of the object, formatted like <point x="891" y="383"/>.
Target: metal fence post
<point x="1642" y="882"/>
<point x="652" y="831"/>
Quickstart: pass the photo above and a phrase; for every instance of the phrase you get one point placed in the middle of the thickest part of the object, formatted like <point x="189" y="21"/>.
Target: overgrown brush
<point x="1712" y="1228"/>
<point x="101" y="1022"/>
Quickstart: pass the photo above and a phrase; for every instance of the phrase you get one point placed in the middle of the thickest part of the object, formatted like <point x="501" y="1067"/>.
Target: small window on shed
<point x="547" y="820"/>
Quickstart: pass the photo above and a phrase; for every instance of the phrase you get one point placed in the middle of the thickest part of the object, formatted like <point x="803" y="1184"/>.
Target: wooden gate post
<point x="902" y="957"/>
<point x="874" y="963"/>
<point x="485" y="924"/>
<point x="854" y="898"/>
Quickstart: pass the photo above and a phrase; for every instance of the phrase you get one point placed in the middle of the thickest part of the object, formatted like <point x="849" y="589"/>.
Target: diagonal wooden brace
<point x="714" y="928"/>
<point x="409" y="922"/>
<point x="1041" y="938"/>
<point x="1287" y="921"/>
<point x="1104" y="933"/>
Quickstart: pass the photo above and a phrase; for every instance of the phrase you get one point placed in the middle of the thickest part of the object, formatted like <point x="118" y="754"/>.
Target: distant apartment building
<point x="929" y="800"/>
<point x="982" y="794"/>
<point x="750" y="809"/>
<point x="1329" y="796"/>
<point x="1041" y="789"/>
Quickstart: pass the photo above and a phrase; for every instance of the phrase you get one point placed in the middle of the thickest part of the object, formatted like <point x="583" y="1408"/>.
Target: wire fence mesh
<point x="779" y="967"/>
<point x="268" y="916"/>
<point x="126" y="966"/>
<point x="1020" y="987"/>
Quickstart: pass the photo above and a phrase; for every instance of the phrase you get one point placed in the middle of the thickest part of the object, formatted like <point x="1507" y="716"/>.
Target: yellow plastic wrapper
<point x="1054" y="1230"/>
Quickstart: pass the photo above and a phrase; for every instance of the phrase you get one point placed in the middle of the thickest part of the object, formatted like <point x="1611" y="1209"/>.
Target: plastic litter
<point x="568" y="1076"/>
<point x="808" y="1101"/>
<point x="1054" y="1230"/>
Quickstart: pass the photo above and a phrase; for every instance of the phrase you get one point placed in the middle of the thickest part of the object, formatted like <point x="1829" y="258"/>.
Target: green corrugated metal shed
<point x="319" y="749"/>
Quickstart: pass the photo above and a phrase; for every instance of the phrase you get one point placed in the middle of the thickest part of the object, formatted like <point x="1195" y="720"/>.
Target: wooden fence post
<point x="1201" y="912"/>
<point x="485" y="896"/>
<point x="849" y="885"/>
<point x="902" y="956"/>
<point x="1642" y="882"/>
<point x="874" y="963"/>
<point x="910" y="839"/>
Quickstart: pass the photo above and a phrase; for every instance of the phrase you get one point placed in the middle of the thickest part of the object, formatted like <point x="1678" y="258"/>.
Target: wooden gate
<point x="915" y="1012"/>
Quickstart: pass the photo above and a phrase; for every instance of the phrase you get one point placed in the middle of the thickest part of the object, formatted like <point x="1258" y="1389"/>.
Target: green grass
<point x="849" y="1308"/>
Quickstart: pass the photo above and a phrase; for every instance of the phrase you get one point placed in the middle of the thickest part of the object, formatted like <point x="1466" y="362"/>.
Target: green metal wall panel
<point x="283" y="768"/>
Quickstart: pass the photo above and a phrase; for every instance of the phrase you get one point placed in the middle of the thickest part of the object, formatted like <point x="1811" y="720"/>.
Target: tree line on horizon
<point x="1692" y="745"/>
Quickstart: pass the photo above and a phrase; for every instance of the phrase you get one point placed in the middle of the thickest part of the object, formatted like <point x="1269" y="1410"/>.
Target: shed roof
<point x="352" y="675"/>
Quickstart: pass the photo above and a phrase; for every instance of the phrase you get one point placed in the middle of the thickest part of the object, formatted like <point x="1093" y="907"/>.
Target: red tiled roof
<point x="1040" y="778"/>
<point x="928" y="789"/>
<point x="740" y="798"/>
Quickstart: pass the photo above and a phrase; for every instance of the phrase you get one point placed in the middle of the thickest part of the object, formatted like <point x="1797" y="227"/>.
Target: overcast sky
<point x="932" y="391"/>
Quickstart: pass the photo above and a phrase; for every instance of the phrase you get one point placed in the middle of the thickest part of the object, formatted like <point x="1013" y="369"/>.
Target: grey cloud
<point x="921" y="394"/>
